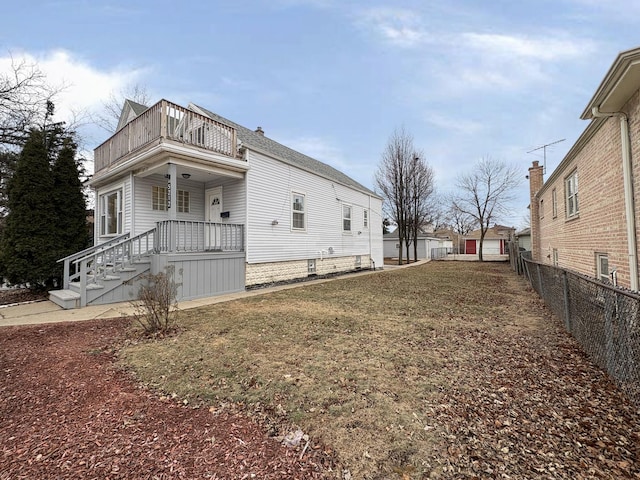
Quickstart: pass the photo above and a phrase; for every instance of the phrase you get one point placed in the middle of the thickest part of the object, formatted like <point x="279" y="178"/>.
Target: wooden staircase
<point x="107" y="273"/>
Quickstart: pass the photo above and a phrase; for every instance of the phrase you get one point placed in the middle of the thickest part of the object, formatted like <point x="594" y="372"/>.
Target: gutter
<point x="632" y="242"/>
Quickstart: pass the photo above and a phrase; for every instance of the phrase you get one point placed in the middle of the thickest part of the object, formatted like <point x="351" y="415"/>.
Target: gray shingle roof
<point x="250" y="138"/>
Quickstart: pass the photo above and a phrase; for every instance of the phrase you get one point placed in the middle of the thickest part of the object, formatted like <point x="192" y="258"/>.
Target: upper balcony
<point x="166" y="120"/>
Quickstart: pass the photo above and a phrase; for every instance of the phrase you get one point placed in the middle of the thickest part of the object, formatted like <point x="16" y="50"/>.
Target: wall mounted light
<point x="274" y="222"/>
<point x="186" y="176"/>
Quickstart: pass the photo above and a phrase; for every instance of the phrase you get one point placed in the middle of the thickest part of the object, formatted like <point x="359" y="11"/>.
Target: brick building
<point x="584" y="217"/>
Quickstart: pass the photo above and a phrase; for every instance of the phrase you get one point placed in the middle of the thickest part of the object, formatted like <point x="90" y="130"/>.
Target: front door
<point x="213" y="209"/>
<point x="214" y="204"/>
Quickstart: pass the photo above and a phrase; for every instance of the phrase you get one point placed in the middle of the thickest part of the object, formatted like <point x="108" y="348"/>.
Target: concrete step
<point x="67" y="299"/>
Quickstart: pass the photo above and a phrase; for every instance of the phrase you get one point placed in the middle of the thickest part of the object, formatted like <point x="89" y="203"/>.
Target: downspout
<point x="627" y="174"/>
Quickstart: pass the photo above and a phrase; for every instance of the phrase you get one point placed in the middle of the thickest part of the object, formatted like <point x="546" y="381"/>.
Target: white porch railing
<point x="109" y="260"/>
<point x="72" y="265"/>
<point x="167" y="120"/>
<point x="191" y="236"/>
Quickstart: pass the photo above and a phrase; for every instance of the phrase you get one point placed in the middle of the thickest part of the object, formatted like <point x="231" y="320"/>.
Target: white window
<point x="365" y="218"/>
<point x="298" y="216"/>
<point x="346" y="218"/>
<point x="571" y="194"/>
<point x="554" y="203"/>
<point x="111" y="213"/>
<point x="183" y="201"/>
<point x="602" y="267"/>
<point x="158" y="198"/>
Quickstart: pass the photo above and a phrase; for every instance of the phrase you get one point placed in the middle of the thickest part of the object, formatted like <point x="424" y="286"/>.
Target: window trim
<point x="159" y="206"/>
<point x="302" y="212"/>
<point x="571" y="184"/>
<point x="347" y="207"/>
<point x="186" y="194"/>
<point x="603" y="277"/>
<point x="104" y="212"/>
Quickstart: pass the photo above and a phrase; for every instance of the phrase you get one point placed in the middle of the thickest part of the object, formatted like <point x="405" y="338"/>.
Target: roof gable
<point x="130" y="110"/>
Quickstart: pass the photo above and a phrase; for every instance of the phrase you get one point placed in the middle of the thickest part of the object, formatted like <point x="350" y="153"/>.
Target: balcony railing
<point x="171" y="121"/>
<point x="190" y="236"/>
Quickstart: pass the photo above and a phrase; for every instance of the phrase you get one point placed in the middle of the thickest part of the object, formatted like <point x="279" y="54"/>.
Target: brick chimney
<point x="260" y="131"/>
<point x="536" y="181"/>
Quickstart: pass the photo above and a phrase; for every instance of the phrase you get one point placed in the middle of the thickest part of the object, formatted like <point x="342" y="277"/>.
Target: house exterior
<point x="523" y="238"/>
<point x="495" y="241"/>
<point x="584" y="216"/>
<point x="224" y="205"/>
<point x="425" y="246"/>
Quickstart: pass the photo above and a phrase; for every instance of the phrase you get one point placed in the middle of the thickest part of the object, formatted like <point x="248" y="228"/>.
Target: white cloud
<point x="518" y="47"/>
<point x="83" y="87"/>
<point x="400" y="27"/>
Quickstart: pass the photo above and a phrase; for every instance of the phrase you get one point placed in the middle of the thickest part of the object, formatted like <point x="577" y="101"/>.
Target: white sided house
<point x="223" y="205"/>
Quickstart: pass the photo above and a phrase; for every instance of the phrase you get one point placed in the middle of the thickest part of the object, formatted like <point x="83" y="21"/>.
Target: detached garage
<point x="495" y="241"/>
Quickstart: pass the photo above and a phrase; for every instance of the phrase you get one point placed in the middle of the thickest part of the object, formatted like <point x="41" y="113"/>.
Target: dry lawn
<point x="444" y="370"/>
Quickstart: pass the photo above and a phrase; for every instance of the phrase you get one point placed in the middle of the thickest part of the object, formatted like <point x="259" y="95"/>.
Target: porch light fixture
<point x="186" y="176"/>
<point x="274" y="222"/>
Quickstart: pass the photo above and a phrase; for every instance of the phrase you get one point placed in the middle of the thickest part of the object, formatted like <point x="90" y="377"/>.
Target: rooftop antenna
<point x="544" y="153"/>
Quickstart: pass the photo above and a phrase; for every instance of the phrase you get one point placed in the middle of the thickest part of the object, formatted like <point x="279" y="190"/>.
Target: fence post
<point x="567" y="308"/>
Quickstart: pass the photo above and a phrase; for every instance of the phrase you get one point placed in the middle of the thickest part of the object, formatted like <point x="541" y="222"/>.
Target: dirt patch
<point x="68" y="412"/>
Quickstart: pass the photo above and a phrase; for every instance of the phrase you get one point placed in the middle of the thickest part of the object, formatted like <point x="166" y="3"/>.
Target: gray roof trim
<point x="265" y="145"/>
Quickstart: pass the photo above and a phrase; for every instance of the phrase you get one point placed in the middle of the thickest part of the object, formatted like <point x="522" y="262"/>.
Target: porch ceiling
<point x="194" y="172"/>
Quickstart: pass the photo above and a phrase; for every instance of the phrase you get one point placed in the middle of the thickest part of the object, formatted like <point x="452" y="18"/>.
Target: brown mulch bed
<point x="19" y="295"/>
<point x="66" y="411"/>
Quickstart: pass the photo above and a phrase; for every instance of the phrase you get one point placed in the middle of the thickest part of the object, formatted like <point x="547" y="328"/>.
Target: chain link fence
<point x="602" y="318"/>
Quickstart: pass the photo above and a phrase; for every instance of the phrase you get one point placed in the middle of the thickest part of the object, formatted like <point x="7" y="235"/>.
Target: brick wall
<point x="260" y="273"/>
<point x="600" y="226"/>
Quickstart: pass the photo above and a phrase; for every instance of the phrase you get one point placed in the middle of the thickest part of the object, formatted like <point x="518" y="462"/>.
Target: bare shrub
<point x="156" y="307"/>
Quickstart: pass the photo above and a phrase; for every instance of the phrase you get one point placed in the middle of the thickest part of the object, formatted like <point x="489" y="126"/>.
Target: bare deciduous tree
<point x="421" y="209"/>
<point x="406" y="182"/>
<point x="112" y="107"/>
<point x="485" y="193"/>
<point x="24" y="94"/>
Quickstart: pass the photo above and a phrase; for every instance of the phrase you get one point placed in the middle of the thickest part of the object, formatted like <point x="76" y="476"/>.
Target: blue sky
<point x="333" y="79"/>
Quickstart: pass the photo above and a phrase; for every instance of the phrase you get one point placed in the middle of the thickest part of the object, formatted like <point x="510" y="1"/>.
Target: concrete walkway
<point x="48" y="312"/>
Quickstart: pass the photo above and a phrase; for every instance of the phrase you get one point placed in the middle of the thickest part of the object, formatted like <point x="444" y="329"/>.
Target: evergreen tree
<point x="68" y="202"/>
<point x="28" y="247"/>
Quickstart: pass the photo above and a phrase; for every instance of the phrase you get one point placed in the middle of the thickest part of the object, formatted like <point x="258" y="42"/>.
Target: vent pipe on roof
<point x="260" y="131"/>
<point x="629" y="210"/>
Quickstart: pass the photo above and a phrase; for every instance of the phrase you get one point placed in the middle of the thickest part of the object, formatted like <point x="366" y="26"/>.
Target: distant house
<point x="585" y="216"/>
<point x="495" y="241"/>
<point x="523" y="238"/>
<point x="224" y="205"/>
<point x="425" y="244"/>
<point x="457" y="242"/>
